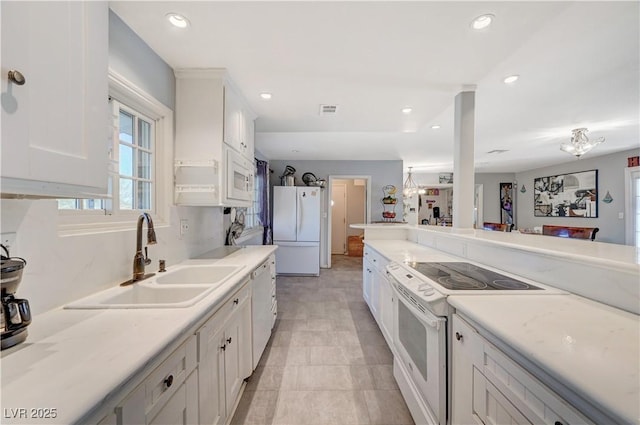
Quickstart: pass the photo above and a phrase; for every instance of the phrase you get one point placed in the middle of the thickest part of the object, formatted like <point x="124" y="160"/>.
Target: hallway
<point x="326" y="362"/>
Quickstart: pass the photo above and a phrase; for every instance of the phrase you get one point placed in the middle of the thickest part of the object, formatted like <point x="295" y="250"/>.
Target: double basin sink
<point x="181" y="286"/>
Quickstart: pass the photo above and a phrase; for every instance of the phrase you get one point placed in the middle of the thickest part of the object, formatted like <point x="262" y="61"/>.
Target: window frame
<point x="95" y="221"/>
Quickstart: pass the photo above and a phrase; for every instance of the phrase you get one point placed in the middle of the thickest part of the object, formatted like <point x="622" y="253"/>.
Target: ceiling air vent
<point x="498" y="151"/>
<point x="328" y="109"/>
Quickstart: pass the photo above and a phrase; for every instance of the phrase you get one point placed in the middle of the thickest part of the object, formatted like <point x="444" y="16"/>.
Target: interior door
<point x="338" y="218"/>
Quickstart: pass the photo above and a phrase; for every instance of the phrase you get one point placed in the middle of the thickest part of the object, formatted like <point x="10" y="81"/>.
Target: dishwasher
<point x="263" y="293"/>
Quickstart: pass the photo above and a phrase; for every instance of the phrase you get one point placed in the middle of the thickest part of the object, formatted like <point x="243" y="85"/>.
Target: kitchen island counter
<point x="582" y="347"/>
<point x="584" y="350"/>
<point x="80" y="363"/>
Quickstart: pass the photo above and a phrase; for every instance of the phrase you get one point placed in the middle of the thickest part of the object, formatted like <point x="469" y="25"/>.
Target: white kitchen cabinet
<point x="367" y="279"/>
<point x="262" y="304"/>
<point x="211" y="114"/>
<point x="224" y="358"/>
<point x="387" y="310"/>
<point x="168" y="395"/>
<point x="55" y="127"/>
<point x="489" y="387"/>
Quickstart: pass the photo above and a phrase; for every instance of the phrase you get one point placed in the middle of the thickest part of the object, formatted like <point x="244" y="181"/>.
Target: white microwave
<point x="239" y="178"/>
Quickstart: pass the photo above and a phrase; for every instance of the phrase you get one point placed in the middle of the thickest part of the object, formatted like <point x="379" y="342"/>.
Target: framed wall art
<point x="566" y="195"/>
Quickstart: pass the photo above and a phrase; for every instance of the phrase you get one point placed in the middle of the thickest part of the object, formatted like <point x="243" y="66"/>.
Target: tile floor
<point x="326" y="362"/>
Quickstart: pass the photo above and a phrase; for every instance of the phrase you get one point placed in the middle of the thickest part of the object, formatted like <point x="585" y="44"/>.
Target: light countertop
<point x="82" y="362"/>
<point x="615" y="255"/>
<point x="591" y="348"/>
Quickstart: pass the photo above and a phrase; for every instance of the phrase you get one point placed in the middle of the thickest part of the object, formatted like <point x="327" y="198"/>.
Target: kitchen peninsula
<point x="573" y="349"/>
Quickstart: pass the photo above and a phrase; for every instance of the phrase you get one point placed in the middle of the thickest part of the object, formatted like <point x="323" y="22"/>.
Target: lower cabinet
<point x="387" y="311"/>
<point x="490" y="388"/>
<point x="224" y="357"/>
<point x="200" y="382"/>
<point x="167" y="396"/>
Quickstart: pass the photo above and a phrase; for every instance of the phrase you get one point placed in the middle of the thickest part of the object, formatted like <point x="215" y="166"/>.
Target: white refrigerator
<point x="296" y="229"/>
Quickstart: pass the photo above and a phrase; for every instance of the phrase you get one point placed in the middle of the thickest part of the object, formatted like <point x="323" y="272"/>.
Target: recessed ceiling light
<point x="511" y="79"/>
<point x="177" y="20"/>
<point x="435" y="127"/>
<point x="407" y="110"/>
<point x="265" y="96"/>
<point x="295" y="150"/>
<point x="482" y="21"/>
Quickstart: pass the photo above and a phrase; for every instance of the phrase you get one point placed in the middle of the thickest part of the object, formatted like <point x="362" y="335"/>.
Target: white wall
<point x="64" y="268"/>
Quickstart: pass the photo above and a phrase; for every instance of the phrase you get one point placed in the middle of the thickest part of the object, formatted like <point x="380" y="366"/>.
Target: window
<point x="252" y="217"/>
<point x="136" y="143"/>
<point x="138" y="153"/>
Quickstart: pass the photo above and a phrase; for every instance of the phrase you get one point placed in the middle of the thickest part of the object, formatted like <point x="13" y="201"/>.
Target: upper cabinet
<point x="214" y="140"/>
<point x="55" y="113"/>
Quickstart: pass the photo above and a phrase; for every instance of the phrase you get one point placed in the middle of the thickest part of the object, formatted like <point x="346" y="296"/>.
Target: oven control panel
<point x="423" y="291"/>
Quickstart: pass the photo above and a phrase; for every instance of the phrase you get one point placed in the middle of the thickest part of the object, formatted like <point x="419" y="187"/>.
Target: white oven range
<point x="421" y="335"/>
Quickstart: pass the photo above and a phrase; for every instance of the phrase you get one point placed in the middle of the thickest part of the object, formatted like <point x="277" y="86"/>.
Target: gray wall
<point x="491" y="194"/>
<point x="382" y="173"/>
<point x="610" y="178"/>
<point x="134" y="60"/>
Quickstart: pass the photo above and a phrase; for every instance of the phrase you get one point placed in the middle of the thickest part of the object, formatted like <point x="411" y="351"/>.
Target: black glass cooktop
<point x="465" y="276"/>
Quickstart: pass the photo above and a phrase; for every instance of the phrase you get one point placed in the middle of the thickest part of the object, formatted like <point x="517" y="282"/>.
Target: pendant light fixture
<point x="580" y="143"/>
<point x="410" y="187"/>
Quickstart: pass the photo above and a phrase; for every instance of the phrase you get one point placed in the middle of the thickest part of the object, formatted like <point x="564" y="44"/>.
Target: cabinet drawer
<point x="376" y="259"/>
<point x="169" y="376"/>
<point x="537" y="402"/>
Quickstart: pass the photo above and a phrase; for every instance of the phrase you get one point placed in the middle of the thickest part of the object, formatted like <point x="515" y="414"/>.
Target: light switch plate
<point x="9" y="241"/>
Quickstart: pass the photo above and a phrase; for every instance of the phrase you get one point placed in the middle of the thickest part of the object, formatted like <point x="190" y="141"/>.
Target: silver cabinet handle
<point x="17" y="77"/>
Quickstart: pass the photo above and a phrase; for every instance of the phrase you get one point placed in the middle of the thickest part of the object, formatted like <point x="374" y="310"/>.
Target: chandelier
<point x="410" y="187"/>
<point x="580" y="143"/>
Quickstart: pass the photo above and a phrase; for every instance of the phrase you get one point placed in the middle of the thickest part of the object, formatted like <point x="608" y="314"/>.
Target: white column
<point x="463" y="154"/>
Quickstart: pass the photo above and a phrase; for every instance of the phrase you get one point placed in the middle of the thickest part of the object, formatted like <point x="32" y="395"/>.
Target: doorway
<point x="348" y="203"/>
<point x="632" y="207"/>
<point x="339" y="218"/>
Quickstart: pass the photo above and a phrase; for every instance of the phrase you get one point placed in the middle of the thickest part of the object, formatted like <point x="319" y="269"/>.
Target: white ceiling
<point x="578" y="64"/>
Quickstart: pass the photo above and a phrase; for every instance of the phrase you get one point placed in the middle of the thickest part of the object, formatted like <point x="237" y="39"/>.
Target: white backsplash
<point x="64" y="268"/>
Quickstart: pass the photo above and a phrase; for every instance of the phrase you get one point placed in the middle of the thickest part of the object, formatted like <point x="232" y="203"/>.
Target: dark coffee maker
<point x="15" y="314"/>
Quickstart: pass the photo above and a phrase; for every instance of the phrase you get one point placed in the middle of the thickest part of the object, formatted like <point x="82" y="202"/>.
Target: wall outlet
<point x="184" y="227"/>
<point x="9" y="241"/>
<point x="620" y="215"/>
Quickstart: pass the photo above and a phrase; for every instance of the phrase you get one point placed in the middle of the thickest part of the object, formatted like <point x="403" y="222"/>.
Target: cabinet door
<point x="174" y="410"/>
<point x="237" y="353"/>
<point x="367" y="277"/>
<point x="376" y="283"/>
<point x="211" y="386"/>
<point x="249" y="135"/>
<point x="55" y="127"/>
<point x="467" y="349"/>
<point x="387" y="310"/>
<point x="233" y="118"/>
